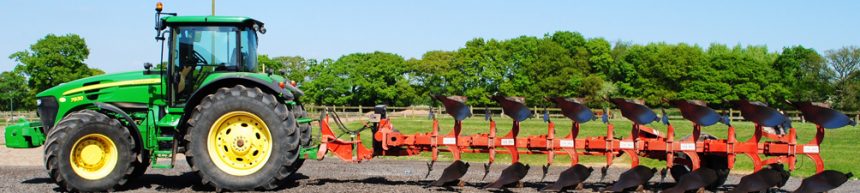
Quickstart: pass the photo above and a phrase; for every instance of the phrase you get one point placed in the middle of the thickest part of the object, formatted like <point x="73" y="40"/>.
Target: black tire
<point x="62" y="138"/>
<point x="275" y="115"/>
<point x="306" y="138"/>
<point x="141" y="165"/>
<point x="304" y="128"/>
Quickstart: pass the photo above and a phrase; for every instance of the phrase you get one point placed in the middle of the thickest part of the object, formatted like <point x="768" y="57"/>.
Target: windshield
<point x="218" y="48"/>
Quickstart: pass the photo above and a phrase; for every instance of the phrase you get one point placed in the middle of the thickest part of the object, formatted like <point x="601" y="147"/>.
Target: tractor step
<point x="162" y="166"/>
<point x="304" y="120"/>
<point x="164" y="153"/>
<point x="164" y="138"/>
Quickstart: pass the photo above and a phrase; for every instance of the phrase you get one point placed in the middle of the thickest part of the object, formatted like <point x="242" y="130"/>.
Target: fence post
<point x="439" y="109"/>
<point x="802" y="119"/>
<point x="731" y="114"/>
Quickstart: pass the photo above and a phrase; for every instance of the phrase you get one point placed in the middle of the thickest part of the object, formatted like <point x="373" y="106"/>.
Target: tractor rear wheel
<point x="305" y="130"/>
<point x="89" y="151"/>
<point x="242" y="138"/>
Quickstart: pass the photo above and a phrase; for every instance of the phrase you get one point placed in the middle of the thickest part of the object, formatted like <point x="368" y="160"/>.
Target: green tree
<point x="53" y="60"/>
<point x="427" y="74"/>
<point x="849" y="100"/>
<point x="804" y="72"/>
<point x="477" y="71"/>
<point x="14" y="93"/>
<point x="600" y="55"/>
<point x="362" y="79"/>
<point x="845" y="62"/>
<point x="747" y="70"/>
<point x="96" y="71"/>
<point x="658" y="70"/>
<point x="264" y="63"/>
<point x="544" y="68"/>
<point x="295" y="67"/>
<point x="328" y="85"/>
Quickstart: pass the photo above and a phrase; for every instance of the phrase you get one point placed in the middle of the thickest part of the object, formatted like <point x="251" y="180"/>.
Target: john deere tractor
<point x="239" y="129"/>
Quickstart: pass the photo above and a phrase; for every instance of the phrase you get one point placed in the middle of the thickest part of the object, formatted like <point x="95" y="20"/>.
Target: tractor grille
<point x="48" y="111"/>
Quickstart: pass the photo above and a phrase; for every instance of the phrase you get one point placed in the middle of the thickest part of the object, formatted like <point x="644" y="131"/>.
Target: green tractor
<point x="239" y="129"/>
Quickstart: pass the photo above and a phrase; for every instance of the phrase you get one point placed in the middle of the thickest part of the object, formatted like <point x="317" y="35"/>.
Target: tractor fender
<point x="213" y="86"/>
<point x="129" y="122"/>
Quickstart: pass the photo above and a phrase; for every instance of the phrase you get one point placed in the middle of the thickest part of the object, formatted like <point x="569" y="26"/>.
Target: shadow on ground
<point x="189" y="180"/>
<point x="171" y="183"/>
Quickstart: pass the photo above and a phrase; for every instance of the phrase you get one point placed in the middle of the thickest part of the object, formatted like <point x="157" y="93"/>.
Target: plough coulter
<point x="696" y="162"/>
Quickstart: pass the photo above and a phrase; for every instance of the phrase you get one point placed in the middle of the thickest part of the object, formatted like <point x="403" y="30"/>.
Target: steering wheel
<point x="200" y="59"/>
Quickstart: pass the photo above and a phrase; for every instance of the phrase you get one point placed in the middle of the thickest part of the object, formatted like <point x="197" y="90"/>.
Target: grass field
<point x="839" y="149"/>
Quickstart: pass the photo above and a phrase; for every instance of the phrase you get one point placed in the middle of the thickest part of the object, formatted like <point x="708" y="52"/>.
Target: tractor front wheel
<point x="89" y="151"/>
<point x="242" y="138"/>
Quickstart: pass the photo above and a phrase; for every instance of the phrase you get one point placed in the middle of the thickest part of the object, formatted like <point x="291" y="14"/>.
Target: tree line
<point x="568" y="64"/>
<point x="557" y="64"/>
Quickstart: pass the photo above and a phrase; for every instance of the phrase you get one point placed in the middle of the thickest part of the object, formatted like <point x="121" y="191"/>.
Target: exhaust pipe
<point x="570" y="177"/>
<point x="634" y="177"/>
<point x="510" y="175"/>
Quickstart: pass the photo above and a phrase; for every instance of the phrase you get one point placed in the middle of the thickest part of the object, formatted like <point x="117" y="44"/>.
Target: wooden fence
<point x="11" y="117"/>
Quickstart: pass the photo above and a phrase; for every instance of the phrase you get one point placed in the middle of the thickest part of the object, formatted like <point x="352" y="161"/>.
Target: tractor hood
<point x="101" y="82"/>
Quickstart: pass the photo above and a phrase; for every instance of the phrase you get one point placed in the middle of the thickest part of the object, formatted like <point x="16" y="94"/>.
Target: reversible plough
<point x="697" y="162"/>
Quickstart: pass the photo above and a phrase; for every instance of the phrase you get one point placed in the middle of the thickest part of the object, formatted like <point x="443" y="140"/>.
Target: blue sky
<point x="120" y="33"/>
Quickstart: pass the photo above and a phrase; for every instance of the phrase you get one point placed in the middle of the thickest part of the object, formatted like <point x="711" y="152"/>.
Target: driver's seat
<point x="186" y="64"/>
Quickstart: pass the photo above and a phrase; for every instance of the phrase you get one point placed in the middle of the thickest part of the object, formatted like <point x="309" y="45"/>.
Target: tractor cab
<point x="200" y="46"/>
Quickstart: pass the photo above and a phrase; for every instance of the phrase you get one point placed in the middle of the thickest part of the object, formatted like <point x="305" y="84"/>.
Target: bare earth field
<point x="22" y="171"/>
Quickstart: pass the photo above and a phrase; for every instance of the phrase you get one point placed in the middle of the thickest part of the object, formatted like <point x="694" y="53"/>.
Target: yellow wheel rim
<point x="239" y="143"/>
<point x="93" y="156"/>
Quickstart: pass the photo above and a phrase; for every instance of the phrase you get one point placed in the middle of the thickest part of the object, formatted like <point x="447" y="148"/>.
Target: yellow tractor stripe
<point x="114" y="84"/>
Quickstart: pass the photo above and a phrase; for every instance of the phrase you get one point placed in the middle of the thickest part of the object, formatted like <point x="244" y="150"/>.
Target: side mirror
<point x="147" y="66"/>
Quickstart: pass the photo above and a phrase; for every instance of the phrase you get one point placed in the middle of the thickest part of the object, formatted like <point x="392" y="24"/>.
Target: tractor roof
<point x="179" y="20"/>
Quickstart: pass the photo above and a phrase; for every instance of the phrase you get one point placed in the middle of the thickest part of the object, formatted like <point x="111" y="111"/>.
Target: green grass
<point x="839" y="149"/>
